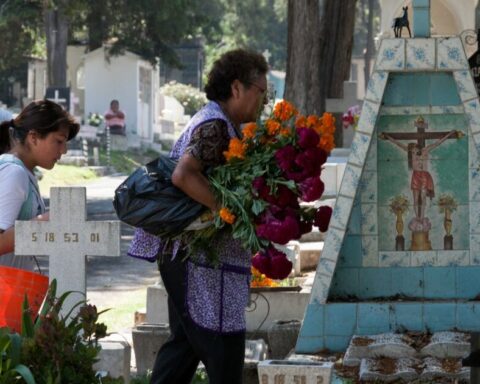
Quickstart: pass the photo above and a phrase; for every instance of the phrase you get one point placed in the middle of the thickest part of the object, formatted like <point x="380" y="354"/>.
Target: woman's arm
<point x="7" y="239"/>
<point x="188" y="177"/>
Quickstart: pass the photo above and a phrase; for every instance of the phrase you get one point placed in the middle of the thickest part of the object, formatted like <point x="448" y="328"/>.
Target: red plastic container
<point x="14" y="284"/>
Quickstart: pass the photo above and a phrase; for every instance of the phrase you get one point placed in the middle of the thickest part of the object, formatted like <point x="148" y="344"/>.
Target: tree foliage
<point x="254" y="24"/>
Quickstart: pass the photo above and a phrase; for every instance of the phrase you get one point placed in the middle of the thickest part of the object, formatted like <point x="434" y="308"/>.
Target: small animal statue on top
<point x="400" y="22"/>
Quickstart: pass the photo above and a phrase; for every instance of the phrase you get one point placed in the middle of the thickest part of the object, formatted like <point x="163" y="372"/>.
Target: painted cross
<point x="56" y="98"/>
<point x="67" y="238"/>
<point x="266" y="54"/>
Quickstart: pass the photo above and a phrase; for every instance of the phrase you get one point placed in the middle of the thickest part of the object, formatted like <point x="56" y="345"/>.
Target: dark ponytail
<point x="41" y="116"/>
<point x="5" y="136"/>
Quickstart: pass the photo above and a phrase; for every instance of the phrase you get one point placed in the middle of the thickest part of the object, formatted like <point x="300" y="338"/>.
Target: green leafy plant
<point x="11" y="368"/>
<point x="60" y="348"/>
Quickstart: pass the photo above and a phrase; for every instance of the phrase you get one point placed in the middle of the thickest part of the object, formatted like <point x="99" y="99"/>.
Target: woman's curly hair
<point x="241" y="64"/>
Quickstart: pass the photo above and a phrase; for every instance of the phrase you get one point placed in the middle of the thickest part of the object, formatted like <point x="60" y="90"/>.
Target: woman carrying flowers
<point x="207" y="302"/>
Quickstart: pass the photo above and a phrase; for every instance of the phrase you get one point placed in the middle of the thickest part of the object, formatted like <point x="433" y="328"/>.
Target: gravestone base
<point x="294" y="371"/>
<point x="114" y="358"/>
<point x="147" y="340"/>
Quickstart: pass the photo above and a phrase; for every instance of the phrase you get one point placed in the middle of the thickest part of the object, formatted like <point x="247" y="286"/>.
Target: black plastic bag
<point x="147" y="199"/>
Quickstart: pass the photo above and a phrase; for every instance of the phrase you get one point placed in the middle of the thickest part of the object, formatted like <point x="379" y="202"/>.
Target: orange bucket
<point x="14" y="284"/>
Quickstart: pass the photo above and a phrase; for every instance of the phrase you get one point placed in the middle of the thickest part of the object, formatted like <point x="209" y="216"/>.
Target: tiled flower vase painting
<point x="423" y="199"/>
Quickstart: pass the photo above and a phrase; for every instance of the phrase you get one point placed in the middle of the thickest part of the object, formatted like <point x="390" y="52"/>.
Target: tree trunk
<point x="369" y="48"/>
<point x="97" y="24"/>
<point x="56" y="30"/>
<point x="320" y="41"/>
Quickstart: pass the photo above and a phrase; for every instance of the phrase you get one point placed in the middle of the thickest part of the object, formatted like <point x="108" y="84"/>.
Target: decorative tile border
<point x="370" y="251"/>
<point x="452" y="258"/>
<point x="420" y="53"/>
<point x="368" y="117"/>
<point x="369" y="219"/>
<point x="423" y="259"/>
<point x="475" y="249"/>
<point x="435" y="110"/>
<point x="376" y="86"/>
<point x="394" y="259"/>
<point x="368" y="186"/>
<point x="465" y="85"/>
<point x="391" y="55"/>
<point x="341" y="212"/>
<point x="350" y="181"/>
<point x="371" y="162"/>
<point x="472" y="111"/>
<point x="474" y="184"/>
<point x="359" y="148"/>
<point x="474" y="153"/>
<point x="450" y="54"/>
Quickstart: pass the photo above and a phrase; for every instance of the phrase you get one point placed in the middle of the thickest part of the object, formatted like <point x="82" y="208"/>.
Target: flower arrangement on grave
<point x="95" y="119"/>
<point x="275" y="165"/>
<point x="351" y="117"/>
<point x="259" y="280"/>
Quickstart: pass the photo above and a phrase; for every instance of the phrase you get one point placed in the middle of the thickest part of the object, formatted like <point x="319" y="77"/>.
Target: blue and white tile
<point x="475" y="249"/>
<point x="341" y="212"/>
<point x="368" y="117"/>
<point x="359" y="148"/>
<point x="446" y="109"/>
<point x="320" y="289"/>
<point x="369" y="221"/>
<point x="472" y="111"/>
<point x="420" y="53"/>
<point x="368" y="187"/>
<point x="394" y="259"/>
<point x="333" y="242"/>
<point x="453" y="258"/>
<point x="391" y="56"/>
<point x="473" y="152"/>
<point x="376" y="86"/>
<point x="450" y="54"/>
<point x="474" y="212"/>
<point x="465" y="85"/>
<point x="423" y="259"/>
<point x="371" y="162"/>
<point x="474" y="184"/>
<point x="370" y="251"/>
<point x="350" y="180"/>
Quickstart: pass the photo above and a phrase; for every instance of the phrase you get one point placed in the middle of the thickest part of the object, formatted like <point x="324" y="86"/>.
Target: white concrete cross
<point x="266" y="53"/>
<point x="57" y="98"/>
<point x="67" y="238"/>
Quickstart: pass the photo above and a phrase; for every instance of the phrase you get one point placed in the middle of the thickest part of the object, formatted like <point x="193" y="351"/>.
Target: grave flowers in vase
<point x="268" y="172"/>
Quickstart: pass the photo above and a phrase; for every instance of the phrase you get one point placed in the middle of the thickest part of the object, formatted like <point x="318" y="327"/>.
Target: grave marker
<point x="67" y="238"/>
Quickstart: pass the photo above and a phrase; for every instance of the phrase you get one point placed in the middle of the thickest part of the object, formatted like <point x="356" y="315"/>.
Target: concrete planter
<point x="147" y="340"/>
<point x="294" y="372"/>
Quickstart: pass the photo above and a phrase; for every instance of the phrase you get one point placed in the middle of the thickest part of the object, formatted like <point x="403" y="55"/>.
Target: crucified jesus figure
<point x="421" y="183"/>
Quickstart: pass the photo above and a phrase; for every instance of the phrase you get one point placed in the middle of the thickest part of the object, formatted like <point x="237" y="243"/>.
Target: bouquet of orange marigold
<point x="275" y="166"/>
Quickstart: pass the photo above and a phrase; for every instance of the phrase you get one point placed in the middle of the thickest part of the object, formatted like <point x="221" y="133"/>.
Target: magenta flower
<point x="311" y="189"/>
<point x="305" y="226"/>
<point x="285" y="157"/>
<point x="279" y="228"/>
<point x="307" y="138"/>
<point x="284" y="197"/>
<point x="322" y="217"/>
<point x="260" y="186"/>
<point x="262" y="263"/>
<point x="280" y="267"/>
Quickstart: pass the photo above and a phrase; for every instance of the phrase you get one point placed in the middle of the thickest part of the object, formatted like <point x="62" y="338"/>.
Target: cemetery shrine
<point x="403" y="247"/>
